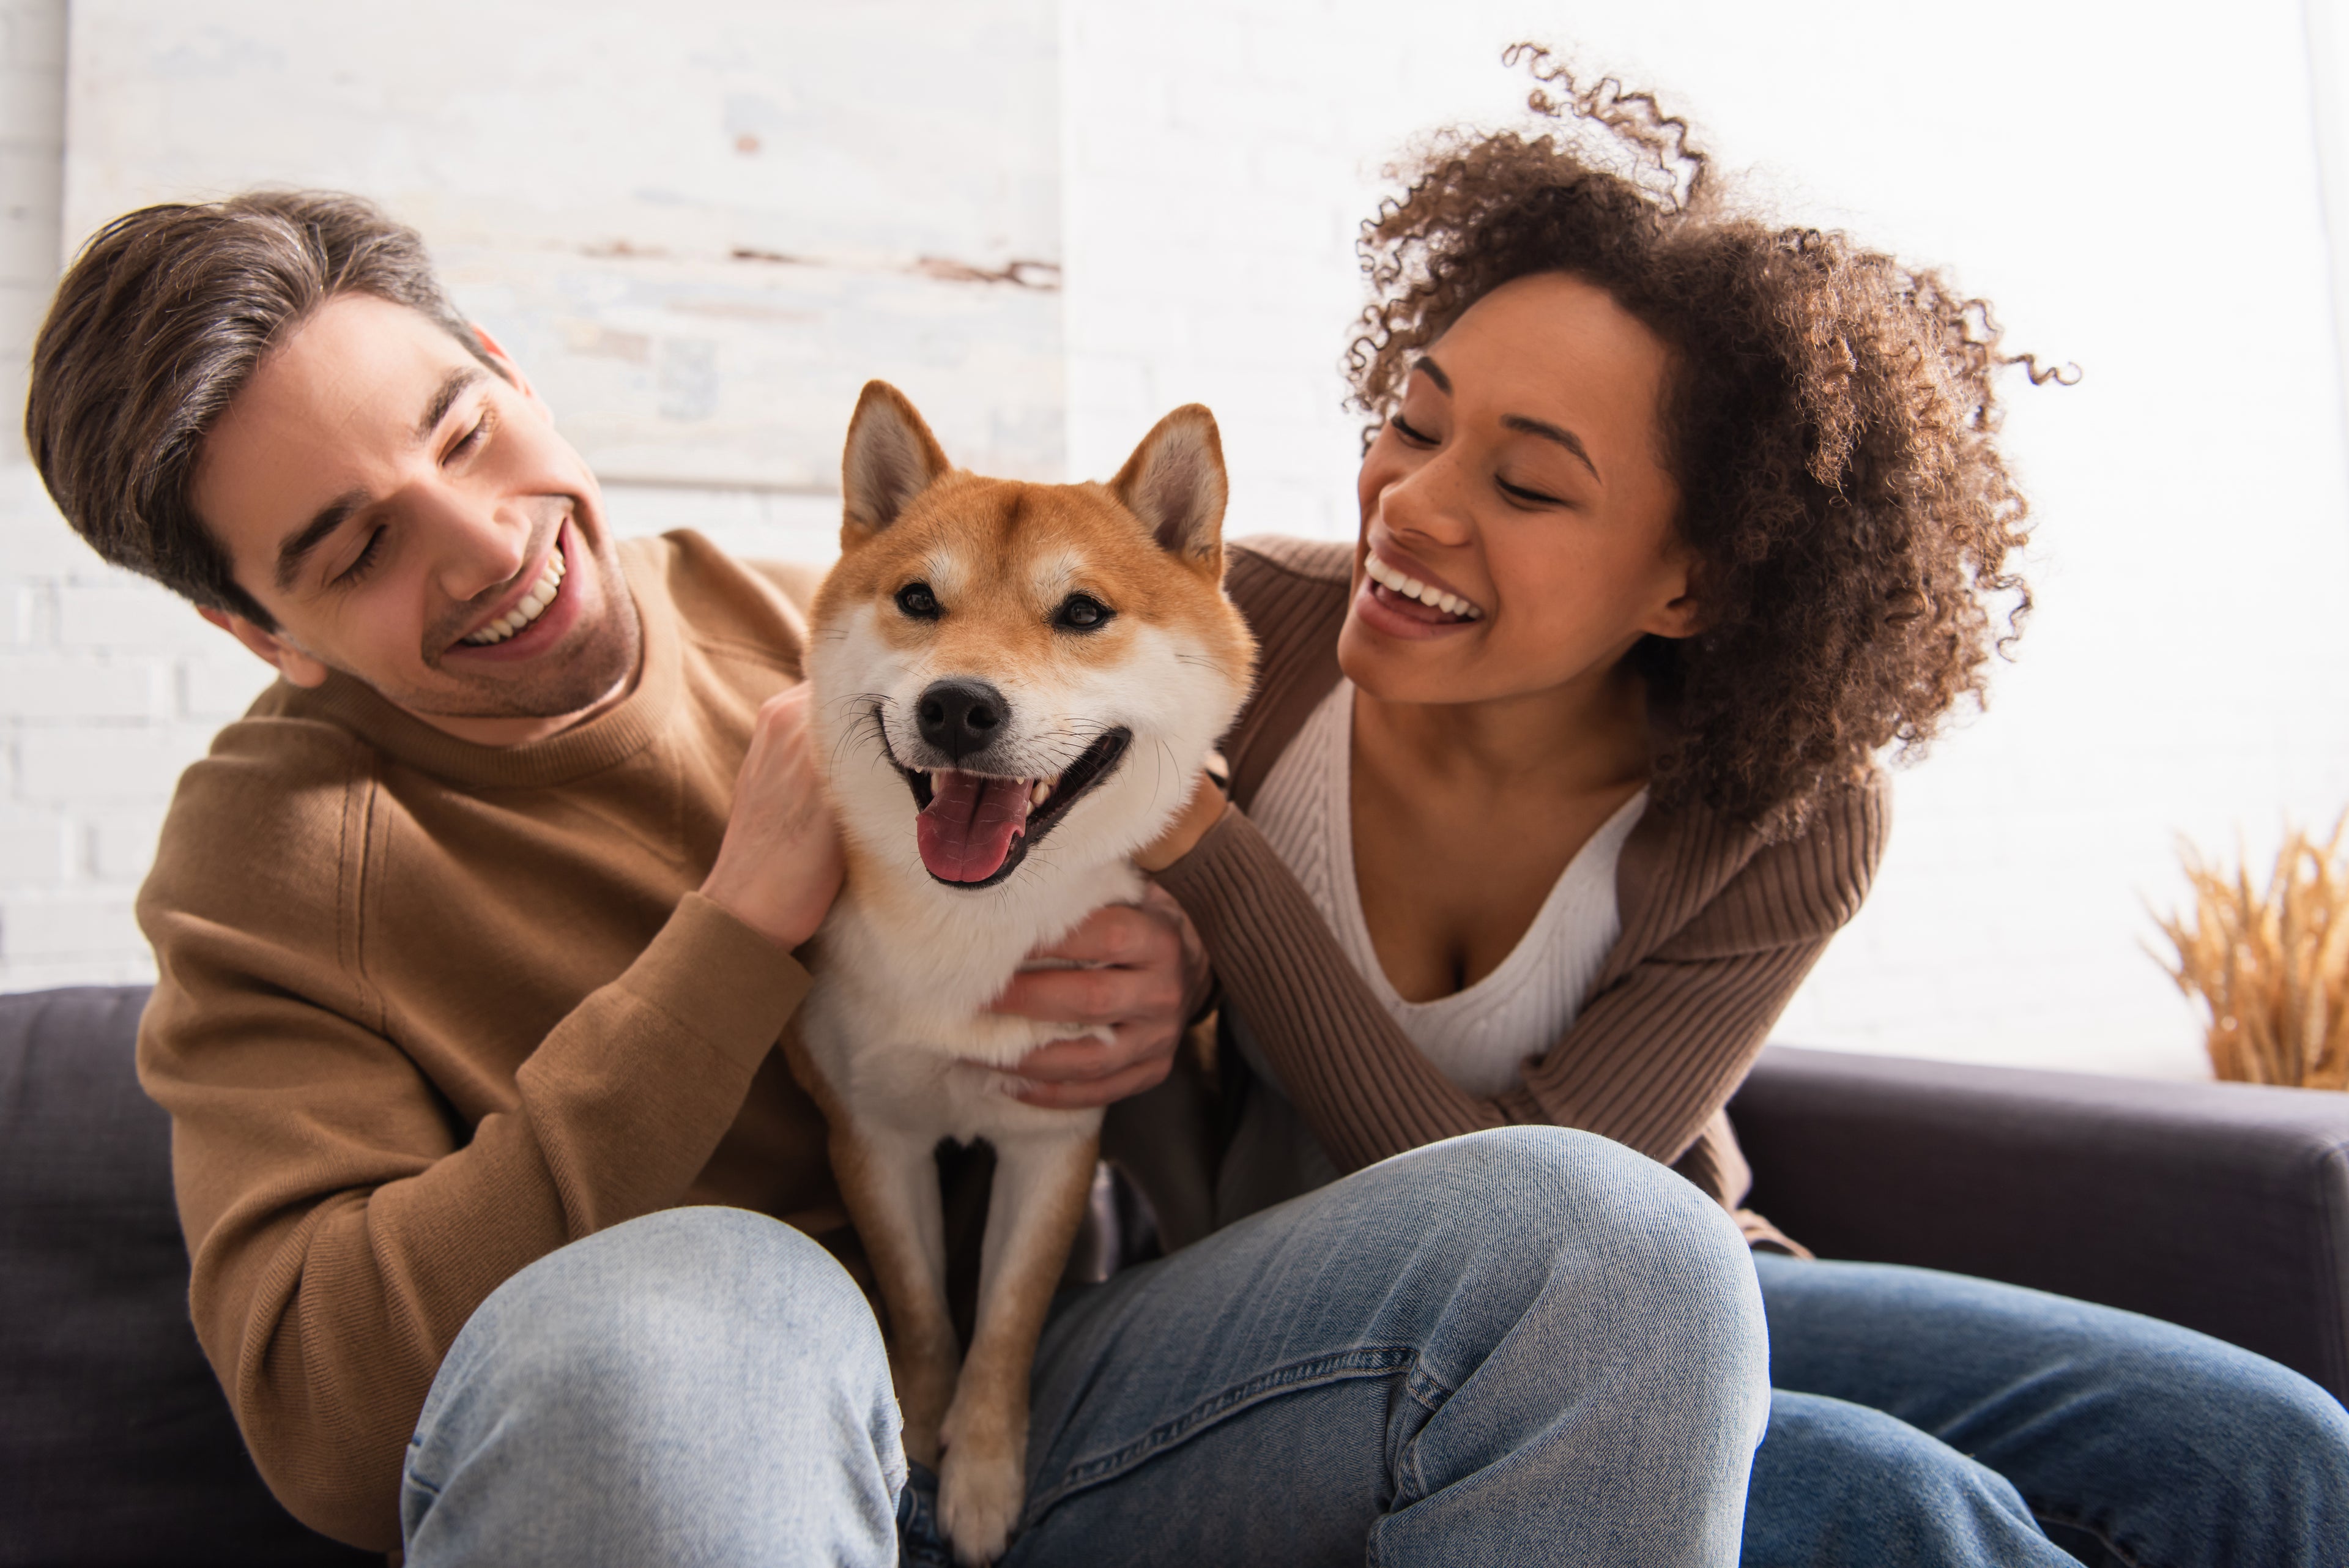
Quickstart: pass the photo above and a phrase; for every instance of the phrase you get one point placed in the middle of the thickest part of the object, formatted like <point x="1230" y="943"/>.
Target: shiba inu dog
<point x="1015" y="687"/>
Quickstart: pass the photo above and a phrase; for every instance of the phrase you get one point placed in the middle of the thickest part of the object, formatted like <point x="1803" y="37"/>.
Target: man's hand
<point x="779" y="867"/>
<point x="1154" y="970"/>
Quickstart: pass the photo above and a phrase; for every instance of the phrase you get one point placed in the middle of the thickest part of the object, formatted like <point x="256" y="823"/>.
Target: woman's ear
<point x="1681" y="613"/>
<point x="1681" y="617"/>
<point x="269" y="648"/>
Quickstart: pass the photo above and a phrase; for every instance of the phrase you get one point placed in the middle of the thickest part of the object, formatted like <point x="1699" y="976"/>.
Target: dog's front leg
<point x="1033" y="1211"/>
<point x="889" y="1181"/>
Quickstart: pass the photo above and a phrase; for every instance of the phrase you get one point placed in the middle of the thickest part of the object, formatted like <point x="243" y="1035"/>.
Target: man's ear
<point x="505" y="363"/>
<point x="892" y="457"/>
<point x="269" y="648"/>
<point x="1174" y="482"/>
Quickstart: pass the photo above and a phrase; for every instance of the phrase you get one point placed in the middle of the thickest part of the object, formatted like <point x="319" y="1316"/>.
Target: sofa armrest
<point x="2223" y="1206"/>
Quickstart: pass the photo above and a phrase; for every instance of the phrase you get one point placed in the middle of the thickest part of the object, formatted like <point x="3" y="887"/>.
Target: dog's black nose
<point x="960" y="717"/>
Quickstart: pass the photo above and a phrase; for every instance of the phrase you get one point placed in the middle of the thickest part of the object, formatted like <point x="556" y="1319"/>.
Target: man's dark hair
<point x="158" y="325"/>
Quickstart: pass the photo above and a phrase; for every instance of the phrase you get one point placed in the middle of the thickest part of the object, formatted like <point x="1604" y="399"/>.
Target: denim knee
<point x="1546" y="1187"/>
<point x="699" y="1374"/>
<point x="680" y="1284"/>
<point x="1565" y="1204"/>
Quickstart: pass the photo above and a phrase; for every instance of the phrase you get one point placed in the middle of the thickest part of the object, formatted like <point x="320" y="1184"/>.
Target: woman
<point x="1558" y="782"/>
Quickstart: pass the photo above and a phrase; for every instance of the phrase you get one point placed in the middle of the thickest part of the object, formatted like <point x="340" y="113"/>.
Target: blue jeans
<point x="1928" y="1419"/>
<point x="1526" y="1345"/>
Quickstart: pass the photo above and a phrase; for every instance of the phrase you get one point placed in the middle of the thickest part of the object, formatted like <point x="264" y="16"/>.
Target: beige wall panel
<point x="700" y="227"/>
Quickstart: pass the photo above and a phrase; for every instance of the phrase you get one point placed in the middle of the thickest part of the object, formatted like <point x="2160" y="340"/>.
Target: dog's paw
<point x="980" y="1488"/>
<point x="924" y="1389"/>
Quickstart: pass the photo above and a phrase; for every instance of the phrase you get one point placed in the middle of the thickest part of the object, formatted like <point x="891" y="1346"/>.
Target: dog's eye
<point x="1081" y="612"/>
<point x="917" y="600"/>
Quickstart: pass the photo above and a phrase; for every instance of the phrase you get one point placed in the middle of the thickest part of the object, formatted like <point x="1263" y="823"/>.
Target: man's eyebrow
<point x="444" y="397"/>
<point x="296" y="550"/>
<point x="1550" y="433"/>
<point x="1435" y="373"/>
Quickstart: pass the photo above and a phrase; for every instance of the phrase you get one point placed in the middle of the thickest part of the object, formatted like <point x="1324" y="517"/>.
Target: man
<point x="475" y="938"/>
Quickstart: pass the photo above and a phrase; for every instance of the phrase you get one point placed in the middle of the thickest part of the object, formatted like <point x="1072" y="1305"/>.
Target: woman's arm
<point x="1656" y="1051"/>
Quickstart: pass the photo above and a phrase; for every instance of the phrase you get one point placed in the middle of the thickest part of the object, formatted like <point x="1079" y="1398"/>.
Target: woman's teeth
<point x="1411" y="588"/>
<point x="533" y="605"/>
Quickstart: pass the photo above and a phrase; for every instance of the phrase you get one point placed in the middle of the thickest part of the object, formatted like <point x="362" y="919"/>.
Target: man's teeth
<point x="533" y="606"/>
<point x="1426" y="594"/>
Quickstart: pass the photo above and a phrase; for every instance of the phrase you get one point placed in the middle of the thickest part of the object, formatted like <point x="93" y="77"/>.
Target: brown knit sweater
<point x="429" y="1011"/>
<point x="1718" y="929"/>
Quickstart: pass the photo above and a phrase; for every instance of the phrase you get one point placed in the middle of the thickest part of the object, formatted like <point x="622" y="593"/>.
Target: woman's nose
<point x="1430" y="502"/>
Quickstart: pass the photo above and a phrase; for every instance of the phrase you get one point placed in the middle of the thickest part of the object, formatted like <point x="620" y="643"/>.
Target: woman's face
<point x="1520" y="486"/>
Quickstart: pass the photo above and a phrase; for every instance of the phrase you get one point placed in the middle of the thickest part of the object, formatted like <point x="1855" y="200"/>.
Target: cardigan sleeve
<point x="1653" y="1055"/>
<point x="1657" y="1051"/>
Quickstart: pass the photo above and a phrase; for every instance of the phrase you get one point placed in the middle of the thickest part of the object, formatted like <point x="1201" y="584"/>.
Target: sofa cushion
<point x="116" y="1446"/>
<point x="2224" y="1206"/>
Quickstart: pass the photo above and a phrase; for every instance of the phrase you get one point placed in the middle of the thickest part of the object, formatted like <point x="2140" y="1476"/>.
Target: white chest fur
<point x="898" y="1020"/>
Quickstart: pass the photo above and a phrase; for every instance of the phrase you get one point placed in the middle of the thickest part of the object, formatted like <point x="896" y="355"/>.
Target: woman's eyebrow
<point x="1435" y="373"/>
<point x="1551" y="432"/>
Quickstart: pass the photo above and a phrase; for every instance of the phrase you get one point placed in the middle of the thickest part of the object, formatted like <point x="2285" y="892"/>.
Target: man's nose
<point x="480" y="549"/>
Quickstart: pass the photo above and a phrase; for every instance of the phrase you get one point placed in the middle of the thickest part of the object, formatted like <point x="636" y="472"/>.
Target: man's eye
<point x="1081" y="612"/>
<point x="917" y="600"/>
<point x="365" y="563"/>
<point x="474" y="437"/>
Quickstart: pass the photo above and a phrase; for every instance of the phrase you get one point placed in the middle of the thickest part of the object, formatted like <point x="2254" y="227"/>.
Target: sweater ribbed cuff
<point x="721" y="980"/>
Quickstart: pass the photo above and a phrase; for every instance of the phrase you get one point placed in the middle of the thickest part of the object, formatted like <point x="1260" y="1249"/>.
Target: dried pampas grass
<point x="2272" y="964"/>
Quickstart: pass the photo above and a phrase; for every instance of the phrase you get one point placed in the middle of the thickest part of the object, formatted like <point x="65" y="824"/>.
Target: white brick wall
<point x="2183" y="674"/>
<point x="107" y="684"/>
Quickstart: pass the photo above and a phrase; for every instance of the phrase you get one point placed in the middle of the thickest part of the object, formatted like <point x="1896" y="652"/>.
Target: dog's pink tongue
<point x="966" y="831"/>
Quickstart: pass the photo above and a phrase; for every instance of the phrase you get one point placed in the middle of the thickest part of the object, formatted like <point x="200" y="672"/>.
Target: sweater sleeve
<point x="343" y="1224"/>
<point x="1652" y="1056"/>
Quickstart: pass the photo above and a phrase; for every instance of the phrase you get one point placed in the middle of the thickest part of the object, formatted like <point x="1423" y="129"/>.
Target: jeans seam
<point x="411" y="1476"/>
<point x="1430" y="1393"/>
<point x="1366" y="1361"/>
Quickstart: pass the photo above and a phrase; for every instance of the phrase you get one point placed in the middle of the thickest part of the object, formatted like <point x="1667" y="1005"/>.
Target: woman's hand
<point x="1199" y="813"/>
<point x="1148" y="969"/>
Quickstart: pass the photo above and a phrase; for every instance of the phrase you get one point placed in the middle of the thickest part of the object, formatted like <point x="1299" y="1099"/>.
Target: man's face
<point x="402" y="513"/>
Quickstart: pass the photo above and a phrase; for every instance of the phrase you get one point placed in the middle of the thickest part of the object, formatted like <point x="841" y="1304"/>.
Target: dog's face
<point x="999" y="664"/>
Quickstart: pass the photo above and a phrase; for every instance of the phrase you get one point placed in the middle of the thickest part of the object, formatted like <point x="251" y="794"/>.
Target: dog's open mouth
<point x="975" y="828"/>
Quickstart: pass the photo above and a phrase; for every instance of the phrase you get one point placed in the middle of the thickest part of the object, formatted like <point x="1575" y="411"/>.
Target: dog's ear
<point x="892" y="457"/>
<point x="1174" y="482"/>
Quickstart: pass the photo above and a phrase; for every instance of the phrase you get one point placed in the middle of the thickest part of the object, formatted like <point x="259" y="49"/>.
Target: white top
<point x="1481" y="1036"/>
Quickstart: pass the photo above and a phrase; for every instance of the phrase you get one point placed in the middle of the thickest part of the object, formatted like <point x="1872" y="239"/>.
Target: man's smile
<point x="528" y="617"/>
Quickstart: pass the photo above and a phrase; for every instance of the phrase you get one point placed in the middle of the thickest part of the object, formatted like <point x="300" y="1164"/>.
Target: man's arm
<point x="343" y="1222"/>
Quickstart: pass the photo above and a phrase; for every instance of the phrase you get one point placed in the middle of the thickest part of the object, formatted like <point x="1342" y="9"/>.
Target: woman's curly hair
<point x="1829" y="419"/>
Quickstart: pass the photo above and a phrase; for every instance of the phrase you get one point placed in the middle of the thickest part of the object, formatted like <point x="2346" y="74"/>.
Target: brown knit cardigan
<point x="1718" y="929"/>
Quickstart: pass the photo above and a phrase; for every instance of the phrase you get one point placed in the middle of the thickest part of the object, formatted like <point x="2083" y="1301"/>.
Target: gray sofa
<point x="2218" y="1206"/>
